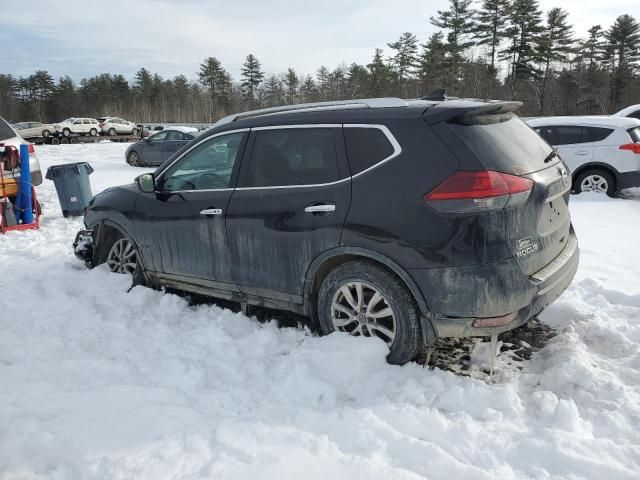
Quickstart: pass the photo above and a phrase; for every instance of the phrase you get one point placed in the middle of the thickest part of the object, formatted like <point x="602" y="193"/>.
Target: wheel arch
<point x="593" y="166"/>
<point x="105" y="228"/>
<point x="329" y="260"/>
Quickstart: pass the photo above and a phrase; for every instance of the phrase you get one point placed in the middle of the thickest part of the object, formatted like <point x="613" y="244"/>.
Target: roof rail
<point x="387" y="102"/>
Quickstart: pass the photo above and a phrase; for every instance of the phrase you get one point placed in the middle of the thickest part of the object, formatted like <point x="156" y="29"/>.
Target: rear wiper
<point x="551" y="156"/>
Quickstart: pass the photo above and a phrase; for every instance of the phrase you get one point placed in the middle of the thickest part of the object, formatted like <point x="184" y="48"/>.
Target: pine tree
<point x="357" y="80"/>
<point x="403" y="62"/>
<point x="308" y="90"/>
<point x="622" y="53"/>
<point x="553" y="45"/>
<point x="272" y="92"/>
<point x="322" y="85"/>
<point x="432" y="62"/>
<point x="379" y="75"/>
<point x="251" y="76"/>
<point x="457" y="20"/>
<point x="490" y="23"/>
<point x="291" y="82"/>
<point x="525" y="26"/>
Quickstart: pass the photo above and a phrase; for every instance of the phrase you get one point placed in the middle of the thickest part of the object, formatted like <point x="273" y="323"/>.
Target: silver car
<point x="117" y="125"/>
<point x="9" y="137"/>
<point x="34" y="129"/>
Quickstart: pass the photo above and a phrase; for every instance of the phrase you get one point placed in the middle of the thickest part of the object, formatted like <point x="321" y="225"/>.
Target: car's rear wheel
<point x="133" y="159"/>
<point x="93" y="132"/>
<point x="596" y="180"/>
<point x="112" y="131"/>
<point x="46" y="133"/>
<point x="66" y="132"/>
<point x="363" y="299"/>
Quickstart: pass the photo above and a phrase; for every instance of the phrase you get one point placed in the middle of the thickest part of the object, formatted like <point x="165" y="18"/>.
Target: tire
<point x="46" y="133"/>
<point x="112" y="131"/>
<point x="596" y="180"/>
<point x="119" y="252"/>
<point x="66" y="132"/>
<point x="64" y="140"/>
<point x="55" y="141"/>
<point x="133" y="159"/>
<point x="403" y="323"/>
<point x="93" y="132"/>
<point x="73" y="140"/>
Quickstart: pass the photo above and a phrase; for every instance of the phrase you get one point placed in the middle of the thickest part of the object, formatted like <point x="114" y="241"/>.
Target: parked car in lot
<point x="154" y="150"/>
<point x="8" y="136"/>
<point x="35" y="129"/>
<point x="116" y="125"/>
<point x="400" y="220"/>
<point x="83" y="126"/>
<point x="603" y="153"/>
<point x="632" y="111"/>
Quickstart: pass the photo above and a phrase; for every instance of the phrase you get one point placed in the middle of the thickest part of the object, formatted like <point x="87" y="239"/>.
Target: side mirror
<point x="146" y="183"/>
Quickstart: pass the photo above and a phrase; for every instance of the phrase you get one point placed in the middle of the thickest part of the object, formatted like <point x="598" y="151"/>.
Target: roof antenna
<point x="439" y="94"/>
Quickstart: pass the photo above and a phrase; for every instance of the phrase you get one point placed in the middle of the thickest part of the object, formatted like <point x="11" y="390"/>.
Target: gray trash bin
<point x="73" y="187"/>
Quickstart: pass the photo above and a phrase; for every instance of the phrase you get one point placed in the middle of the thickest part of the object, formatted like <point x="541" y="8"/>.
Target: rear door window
<point x="293" y="156"/>
<point x="366" y="147"/>
<point x="597" y="134"/>
<point x="634" y="133"/>
<point x="569" y="135"/>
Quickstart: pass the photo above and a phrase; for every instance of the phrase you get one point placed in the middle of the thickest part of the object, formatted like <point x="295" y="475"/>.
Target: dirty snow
<point x="100" y="383"/>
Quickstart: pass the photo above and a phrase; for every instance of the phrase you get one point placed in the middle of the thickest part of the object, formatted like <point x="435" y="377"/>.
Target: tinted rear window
<point x="366" y="147"/>
<point x="597" y="134"/>
<point x="634" y="133"/>
<point x="504" y="143"/>
<point x="5" y="130"/>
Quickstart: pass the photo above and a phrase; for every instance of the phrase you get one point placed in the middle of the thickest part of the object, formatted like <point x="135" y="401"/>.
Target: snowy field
<point x="98" y="383"/>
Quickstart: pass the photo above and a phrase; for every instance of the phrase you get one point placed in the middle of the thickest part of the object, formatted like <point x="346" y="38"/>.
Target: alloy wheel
<point x="360" y="309"/>
<point x="594" y="183"/>
<point x="134" y="160"/>
<point x="122" y="257"/>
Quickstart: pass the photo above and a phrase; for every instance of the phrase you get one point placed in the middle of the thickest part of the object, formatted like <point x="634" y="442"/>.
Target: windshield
<point x="6" y="131"/>
<point x="69" y="120"/>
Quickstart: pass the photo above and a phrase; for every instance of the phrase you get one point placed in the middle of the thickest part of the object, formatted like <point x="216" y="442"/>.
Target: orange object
<point x="9" y="188"/>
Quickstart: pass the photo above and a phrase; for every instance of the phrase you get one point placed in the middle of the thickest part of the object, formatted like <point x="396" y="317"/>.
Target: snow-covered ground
<point x="99" y="383"/>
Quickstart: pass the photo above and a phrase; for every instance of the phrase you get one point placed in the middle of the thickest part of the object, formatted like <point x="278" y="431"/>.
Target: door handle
<point x="582" y="153"/>
<point x="325" y="207"/>
<point x="211" y="211"/>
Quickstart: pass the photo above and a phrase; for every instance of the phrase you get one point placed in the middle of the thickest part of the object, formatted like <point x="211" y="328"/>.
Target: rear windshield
<point x="504" y="143"/>
<point x="6" y="131"/>
<point x="634" y="133"/>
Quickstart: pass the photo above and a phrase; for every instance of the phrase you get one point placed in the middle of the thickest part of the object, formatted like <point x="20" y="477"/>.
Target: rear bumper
<point x="461" y="296"/>
<point x="628" y="180"/>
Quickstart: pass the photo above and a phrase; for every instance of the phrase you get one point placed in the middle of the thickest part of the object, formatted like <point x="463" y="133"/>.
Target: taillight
<point x="470" y="190"/>
<point x="32" y="148"/>
<point x="634" y="147"/>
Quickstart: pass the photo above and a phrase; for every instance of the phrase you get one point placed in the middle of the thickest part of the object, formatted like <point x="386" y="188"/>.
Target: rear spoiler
<point x="450" y="112"/>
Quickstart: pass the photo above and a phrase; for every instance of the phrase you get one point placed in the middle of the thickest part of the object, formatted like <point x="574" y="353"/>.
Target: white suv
<point x="83" y="126"/>
<point x="114" y="125"/>
<point x="603" y="153"/>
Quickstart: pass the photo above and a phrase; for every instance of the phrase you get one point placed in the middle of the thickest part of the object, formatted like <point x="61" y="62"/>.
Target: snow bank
<point x="100" y="383"/>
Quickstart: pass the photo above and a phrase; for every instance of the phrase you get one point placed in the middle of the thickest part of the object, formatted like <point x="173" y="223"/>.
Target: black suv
<point x="403" y="220"/>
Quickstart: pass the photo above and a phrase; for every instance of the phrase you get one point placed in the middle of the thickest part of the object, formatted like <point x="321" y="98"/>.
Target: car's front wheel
<point x="66" y="132"/>
<point x="123" y="257"/>
<point x="46" y="133"/>
<point x="112" y="131"/>
<point x="93" y="132"/>
<point x="596" y="180"/>
<point x="133" y="159"/>
<point x="363" y="299"/>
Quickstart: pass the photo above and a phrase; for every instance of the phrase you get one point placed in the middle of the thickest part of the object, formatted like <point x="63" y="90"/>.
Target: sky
<point x="173" y="37"/>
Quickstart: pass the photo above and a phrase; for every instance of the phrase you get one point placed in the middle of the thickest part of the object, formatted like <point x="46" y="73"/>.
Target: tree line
<point x="507" y="49"/>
